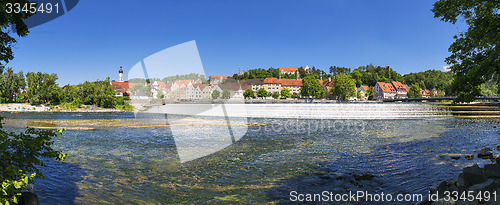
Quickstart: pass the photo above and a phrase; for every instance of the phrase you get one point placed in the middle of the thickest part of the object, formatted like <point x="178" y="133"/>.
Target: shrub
<point x="20" y="157"/>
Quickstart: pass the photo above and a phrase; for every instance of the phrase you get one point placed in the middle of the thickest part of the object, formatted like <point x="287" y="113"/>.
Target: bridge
<point x="493" y="98"/>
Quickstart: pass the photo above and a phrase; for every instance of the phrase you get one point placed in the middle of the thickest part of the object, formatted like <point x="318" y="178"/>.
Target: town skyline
<point x="259" y="34"/>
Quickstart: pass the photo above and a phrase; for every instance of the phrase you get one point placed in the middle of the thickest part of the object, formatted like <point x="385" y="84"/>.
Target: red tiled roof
<point x="162" y="84"/>
<point x="271" y="81"/>
<point x="327" y="83"/>
<point x="387" y="87"/>
<point x="283" y="82"/>
<point x="399" y="86"/>
<point x="425" y="92"/>
<point x="219" y="77"/>
<point x="123" y="84"/>
<point x="183" y="82"/>
<point x="289" y="69"/>
<point x="290" y="82"/>
<point x="365" y="87"/>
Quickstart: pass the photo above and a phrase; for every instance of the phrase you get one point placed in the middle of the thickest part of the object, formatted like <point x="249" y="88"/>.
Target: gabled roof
<point x="386" y="87"/>
<point x="289" y="69"/>
<point x="161" y="84"/>
<point x="365" y="87"/>
<point x="399" y="86"/>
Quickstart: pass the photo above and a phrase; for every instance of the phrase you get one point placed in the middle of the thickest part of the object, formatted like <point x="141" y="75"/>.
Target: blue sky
<point x="91" y="41"/>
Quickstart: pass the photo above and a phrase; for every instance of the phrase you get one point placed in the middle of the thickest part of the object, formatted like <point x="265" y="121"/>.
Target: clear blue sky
<point x="91" y="41"/>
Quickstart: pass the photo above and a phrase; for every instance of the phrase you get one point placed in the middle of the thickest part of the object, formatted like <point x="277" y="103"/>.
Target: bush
<point x="20" y="157"/>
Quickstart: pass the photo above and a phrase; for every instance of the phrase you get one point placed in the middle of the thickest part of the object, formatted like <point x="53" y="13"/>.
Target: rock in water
<point x="28" y="198"/>
<point x="469" y="157"/>
<point x="473" y="175"/>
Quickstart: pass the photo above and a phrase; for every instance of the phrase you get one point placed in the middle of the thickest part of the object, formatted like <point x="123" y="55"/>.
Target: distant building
<point x="383" y="91"/>
<point x="401" y="89"/>
<point x="121" y="88"/>
<point x="425" y="93"/>
<point x="291" y="70"/>
<point x="363" y="89"/>
<point x="254" y="84"/>
<point x="392" y="90"/>
<point x="214" y="80"/>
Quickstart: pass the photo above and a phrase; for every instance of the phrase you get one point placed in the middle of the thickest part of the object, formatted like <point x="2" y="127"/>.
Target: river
<point x="203" y="156"/>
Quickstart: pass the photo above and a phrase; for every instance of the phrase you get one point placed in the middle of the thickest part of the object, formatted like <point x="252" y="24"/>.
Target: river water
<point x="203" y="156"/>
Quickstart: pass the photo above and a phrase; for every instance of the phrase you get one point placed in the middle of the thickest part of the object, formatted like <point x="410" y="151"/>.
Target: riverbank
<point x="25" y="107"/>
<point x="475" y="185"/>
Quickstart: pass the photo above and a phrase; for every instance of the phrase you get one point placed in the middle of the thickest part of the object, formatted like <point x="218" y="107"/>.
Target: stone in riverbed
<point x="485" y="153"/>
<point x="455" y="157"/>
<point x="473" y="175"/>
<point x="469" y="157"/>
<point x="492" y="170"/>
<point x="440" y="188"/>
<point x="488" y="185"/>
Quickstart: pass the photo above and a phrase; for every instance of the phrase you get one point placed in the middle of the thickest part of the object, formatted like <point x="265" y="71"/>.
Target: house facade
<point x="401" y="90"/>
<point x="383" y="91"/>
<point x="363" y="89"/>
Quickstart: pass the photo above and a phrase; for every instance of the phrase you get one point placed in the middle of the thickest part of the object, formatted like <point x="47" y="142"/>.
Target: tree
<point x="311" y="87"/>
<point x="414" y="91"/>
<point x="369" y="94"/>
<point x="285" y="92"/>
<point x="276" y="95"/>
<point x="226" y="94"/>
<point x="42" y="87"/>
<point x="295" y="95"/>
<point x="344" y="87"/>
<point x="14" y="19"/>
<point x="140" y="88"/>
<point x="11" y="85"/>
<point x="248" y="93"/>
<point x="262" y="93"/>
<point x="474" y="59"/>
<point x="160" y="95"/>
<point x="215" y="94"/>
<point x="356" y="75"/>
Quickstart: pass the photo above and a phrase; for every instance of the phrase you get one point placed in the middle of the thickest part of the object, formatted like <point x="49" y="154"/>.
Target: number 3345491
<point x="31" y="8"/>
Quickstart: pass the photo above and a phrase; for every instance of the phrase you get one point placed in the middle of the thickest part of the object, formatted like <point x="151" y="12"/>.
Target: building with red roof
<point x="383" y="91"/>
<point x="291" y="70"/>
<point x="214" y="80"/>
<point x="121" y="88"/>
<point x="390" y="90"/>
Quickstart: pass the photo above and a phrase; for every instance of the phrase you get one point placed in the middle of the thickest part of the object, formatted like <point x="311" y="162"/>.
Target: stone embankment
<point x="475" y="185"/>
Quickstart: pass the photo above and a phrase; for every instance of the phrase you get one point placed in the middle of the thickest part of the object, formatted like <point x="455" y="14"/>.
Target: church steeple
<point x="120" y="75"/>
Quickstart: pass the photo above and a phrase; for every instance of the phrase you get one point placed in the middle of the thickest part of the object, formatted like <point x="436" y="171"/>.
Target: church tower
<point x="120" y="75"/>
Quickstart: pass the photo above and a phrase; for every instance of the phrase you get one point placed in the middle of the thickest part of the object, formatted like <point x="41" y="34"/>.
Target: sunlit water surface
<point x="406" y="147"/>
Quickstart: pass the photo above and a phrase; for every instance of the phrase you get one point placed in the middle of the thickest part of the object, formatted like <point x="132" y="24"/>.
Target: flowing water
<point x="124" y="158"/>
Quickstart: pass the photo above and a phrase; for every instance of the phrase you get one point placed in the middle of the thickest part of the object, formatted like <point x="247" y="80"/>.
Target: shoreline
<point x="26" y="107"/>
